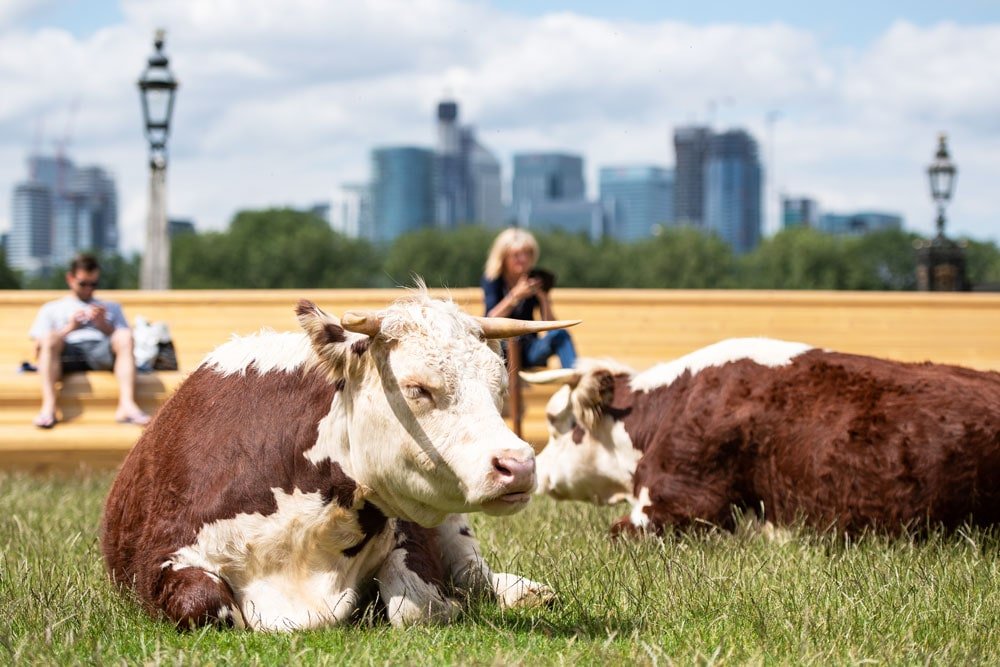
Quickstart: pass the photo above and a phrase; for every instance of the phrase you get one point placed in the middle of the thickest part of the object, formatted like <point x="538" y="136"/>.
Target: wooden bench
<point x="636" y="327"/>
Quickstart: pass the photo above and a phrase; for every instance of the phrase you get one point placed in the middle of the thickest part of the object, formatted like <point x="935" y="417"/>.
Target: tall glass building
<point x="29" y="246"/>
<point x="640" y="199"/>
<point x="690" y="150"/>
<point x="732" y="180"/>
<point x="402" y="191"/>
<point x="61" y="211"/>
<point x="799" y="212"/>
<point x="540" y="177"/>
<point x="467" y="175"/>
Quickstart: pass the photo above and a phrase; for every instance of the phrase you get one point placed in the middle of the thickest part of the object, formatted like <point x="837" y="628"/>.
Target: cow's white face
<point x="421" y="413"/>
<point x="589" y="455"/>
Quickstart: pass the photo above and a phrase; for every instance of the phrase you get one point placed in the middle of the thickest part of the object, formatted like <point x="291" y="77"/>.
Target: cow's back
<point x="837" y="439"/>
<point x="215" y="449"/>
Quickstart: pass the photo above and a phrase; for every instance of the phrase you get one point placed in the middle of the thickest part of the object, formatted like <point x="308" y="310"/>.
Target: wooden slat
<point x="636" y="327"/>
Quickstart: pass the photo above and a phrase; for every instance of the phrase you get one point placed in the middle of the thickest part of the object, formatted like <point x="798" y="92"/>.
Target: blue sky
<point x="272" y="111"/>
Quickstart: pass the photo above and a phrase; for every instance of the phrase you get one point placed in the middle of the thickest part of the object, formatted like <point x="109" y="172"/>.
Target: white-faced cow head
<point x="589" y="456"/>
<point x="418" y="420"/>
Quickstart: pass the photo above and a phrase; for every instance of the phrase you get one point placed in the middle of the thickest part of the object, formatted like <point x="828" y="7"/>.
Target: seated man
<point x="79" y="333"/>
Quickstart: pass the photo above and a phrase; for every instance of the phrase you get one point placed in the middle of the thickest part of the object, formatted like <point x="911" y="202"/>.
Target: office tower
<point x="860" y="223"/>
<point x="351" y="211"/>
<point x="732" y="184"/>
<point x="180" y="227"/>
<point x="640" y="199"/>
<point x="402" y="191"/>
<point x="466" y="175"/>
<point x="73" y="209"/>
<point x="690" y="148"/>
<point x="30" y="243"/>
<point x="799" y="212"/>
<point x="542" y="177"/>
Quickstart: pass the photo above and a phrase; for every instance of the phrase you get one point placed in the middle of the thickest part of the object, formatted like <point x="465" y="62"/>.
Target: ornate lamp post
<point x="941" y="261"/>
<point x="157" y="87"/>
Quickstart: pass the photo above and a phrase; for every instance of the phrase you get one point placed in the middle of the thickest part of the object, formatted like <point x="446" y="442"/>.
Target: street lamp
<point x="157" y="87"/>
<point x="941" y="261"/>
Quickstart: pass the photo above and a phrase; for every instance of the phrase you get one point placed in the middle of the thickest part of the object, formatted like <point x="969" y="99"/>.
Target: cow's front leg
<point x="470" y="574"/>
<point x="410" y="580"/>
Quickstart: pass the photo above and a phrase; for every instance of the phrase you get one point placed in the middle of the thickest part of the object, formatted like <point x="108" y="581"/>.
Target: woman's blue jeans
<point x="538" y="351"/>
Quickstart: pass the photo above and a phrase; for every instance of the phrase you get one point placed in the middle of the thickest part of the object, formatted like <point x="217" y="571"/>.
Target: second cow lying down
<point x="840" y="441"/>
<point x="293" y="476"/>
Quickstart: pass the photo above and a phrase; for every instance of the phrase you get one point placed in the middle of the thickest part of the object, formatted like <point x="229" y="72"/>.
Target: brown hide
<point x="215" y="450"/>
<point x="839" y="440"/>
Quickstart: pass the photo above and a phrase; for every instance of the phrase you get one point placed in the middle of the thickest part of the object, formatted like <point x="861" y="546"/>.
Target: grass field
<point x="703" y="599"/>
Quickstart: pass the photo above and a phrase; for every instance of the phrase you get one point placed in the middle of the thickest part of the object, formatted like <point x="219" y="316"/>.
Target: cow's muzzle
<point x="516" y="476"/>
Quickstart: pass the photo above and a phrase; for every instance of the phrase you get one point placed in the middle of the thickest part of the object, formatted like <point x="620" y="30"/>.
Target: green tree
<point x="796" y="259"/>
<point x="452" y="258"/>
<point x="273" y="249"/>
<point x="883" y="260"/>
<point x="682" y="258"/>
<point x="9" y="279"/>
<point x="982" y="263"/>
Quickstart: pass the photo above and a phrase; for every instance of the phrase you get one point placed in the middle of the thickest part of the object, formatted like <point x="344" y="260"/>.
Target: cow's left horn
<point x="363" y="322"/>
<point x="565" y="375"/>
<point x="506" y="327"/>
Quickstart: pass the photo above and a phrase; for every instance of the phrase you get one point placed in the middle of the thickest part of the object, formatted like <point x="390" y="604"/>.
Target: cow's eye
<point x="417" y="392"/>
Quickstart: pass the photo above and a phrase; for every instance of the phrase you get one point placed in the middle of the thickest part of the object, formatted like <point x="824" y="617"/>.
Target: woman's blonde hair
<point x="508" y="240"/>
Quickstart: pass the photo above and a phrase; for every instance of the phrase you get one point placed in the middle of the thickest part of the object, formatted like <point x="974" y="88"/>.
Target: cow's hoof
<point x="514" y="592"/>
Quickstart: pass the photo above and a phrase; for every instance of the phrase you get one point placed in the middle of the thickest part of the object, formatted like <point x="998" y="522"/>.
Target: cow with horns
<point x="294" y="476"/>
<point x="840" y="441"/>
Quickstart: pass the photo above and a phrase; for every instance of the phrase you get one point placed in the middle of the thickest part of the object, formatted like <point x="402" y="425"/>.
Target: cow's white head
<point x="418" y="419"/>
<point x="589" y="455"/>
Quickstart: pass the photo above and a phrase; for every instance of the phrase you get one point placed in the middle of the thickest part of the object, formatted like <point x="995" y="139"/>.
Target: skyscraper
<point x="351" y="211"/>
<point x="61" y="211"/>
<point x="690" y="148"/>
<point x="732" y="183"/>
<point x="799" y="212"/>
<point x="466" y="174"/>
<point x="640" y="199"/>
<point x="540" y="177"/>
<point x="402" y="191"/>
<point x="30" y="241"/>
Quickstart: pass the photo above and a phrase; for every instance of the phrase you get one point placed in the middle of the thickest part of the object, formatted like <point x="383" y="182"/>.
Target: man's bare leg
<point x="128" y="410"/>
<point x="49" y="370"/>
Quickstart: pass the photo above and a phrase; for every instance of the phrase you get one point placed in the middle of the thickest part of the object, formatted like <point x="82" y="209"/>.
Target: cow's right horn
<point x="363" y="322"/>
<point x="507" y="327"/>
<point x="565" y="375"/>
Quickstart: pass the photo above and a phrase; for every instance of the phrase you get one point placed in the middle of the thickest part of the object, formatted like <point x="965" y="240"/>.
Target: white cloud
<point x="281" y="102"/>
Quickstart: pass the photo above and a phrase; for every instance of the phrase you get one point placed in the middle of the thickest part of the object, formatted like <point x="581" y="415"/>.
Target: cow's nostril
<point x="499" y="466"/>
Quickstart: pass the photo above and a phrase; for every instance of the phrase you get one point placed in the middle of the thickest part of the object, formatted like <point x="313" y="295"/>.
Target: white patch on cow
<point x="267" y="351"/>
<point x="287" y="569"/>
<point x="516" y="592"/>
<point x="763" y="351"/>
<point x="638" y="516"/>
<point x="332" y="441"/>
<point x="598" y="469"/>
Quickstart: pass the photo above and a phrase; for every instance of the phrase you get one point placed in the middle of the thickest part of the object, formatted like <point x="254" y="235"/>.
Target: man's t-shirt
<point x="56" y="314"/>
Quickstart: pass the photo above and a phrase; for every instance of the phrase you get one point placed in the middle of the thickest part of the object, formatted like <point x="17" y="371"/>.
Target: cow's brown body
<point x="838" y="440"/>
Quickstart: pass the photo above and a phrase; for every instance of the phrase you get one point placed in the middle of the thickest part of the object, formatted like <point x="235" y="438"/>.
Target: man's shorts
<point x="88" y="355"/>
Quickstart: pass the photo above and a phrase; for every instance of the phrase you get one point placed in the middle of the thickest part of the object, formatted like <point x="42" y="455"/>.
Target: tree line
<point x="286" y="248"/>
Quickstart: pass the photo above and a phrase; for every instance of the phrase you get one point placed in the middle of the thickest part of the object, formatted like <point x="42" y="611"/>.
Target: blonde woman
<point x="509" y="291"/>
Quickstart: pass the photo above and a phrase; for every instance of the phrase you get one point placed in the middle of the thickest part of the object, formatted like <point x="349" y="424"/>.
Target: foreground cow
<point x="292" y="476"/>
<point x="840" y="440"/>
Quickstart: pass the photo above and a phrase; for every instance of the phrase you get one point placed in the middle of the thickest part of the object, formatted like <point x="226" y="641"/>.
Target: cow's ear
<point x="328" y="338"/>
<point x="592" y="397"/>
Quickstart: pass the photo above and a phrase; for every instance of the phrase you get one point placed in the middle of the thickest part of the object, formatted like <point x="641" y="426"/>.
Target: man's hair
<point x="84" y="262"/>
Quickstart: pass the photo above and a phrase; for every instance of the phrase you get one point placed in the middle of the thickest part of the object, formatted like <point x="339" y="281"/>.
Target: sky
<point x="281" y="102"/>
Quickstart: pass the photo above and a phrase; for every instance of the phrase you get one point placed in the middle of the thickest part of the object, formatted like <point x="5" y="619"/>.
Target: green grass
<point x="704" y="599"/>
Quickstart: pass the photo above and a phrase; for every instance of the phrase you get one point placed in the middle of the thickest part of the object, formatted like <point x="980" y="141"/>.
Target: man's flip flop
<point x="45" y="421"/>
<point x="139" y="419"/>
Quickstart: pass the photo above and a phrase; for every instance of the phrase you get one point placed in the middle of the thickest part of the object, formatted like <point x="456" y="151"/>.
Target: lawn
<point x="704" y="598"/>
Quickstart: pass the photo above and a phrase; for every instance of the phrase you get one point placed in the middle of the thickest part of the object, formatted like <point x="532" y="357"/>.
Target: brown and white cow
<point x="841" y="441"/>
<point x="293" y="476"/>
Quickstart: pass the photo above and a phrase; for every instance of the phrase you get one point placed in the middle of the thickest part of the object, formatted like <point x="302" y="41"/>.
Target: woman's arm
<point x="545" y="306"/>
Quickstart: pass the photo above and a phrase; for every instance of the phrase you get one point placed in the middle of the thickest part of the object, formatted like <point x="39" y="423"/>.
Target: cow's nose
<point x="515" y="472"/>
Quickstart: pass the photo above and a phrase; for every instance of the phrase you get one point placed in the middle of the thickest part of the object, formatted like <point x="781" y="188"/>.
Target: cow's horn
<point x="564" y="375"/>
<point x="364" y="322"/>
<point x="506" y="327"/>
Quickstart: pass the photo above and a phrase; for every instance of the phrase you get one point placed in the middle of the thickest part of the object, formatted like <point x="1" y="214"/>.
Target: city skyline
<point x="272" y="112"/>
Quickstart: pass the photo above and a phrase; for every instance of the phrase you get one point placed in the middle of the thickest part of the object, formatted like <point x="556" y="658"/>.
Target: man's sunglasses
<point x="87" y="283"/>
